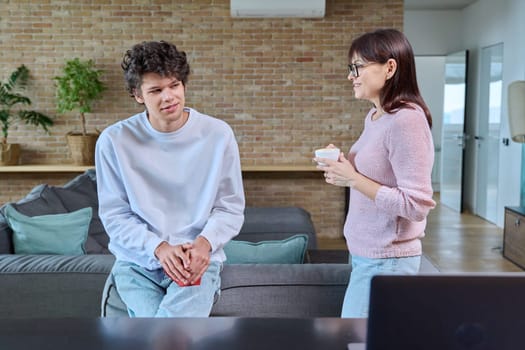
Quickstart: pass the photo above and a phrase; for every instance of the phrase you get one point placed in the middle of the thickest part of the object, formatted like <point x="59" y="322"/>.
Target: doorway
<point x="488" y="132"/>
<point x="453" y="130"/>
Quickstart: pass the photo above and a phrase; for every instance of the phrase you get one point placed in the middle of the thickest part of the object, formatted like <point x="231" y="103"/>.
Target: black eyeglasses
<point x="353" y="69"/>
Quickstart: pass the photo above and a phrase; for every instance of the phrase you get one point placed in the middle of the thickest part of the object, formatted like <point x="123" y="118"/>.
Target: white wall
<point x="433" y="33"/>
<point x="430" y="72"/>
<point x="513" y="69"/>
<point x="503" y="22"/>
<point x="484" y="23"/>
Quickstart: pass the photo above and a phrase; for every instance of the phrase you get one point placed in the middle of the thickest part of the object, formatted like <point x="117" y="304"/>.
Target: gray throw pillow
<point x="6" y="241"/>
<point x="36" y="203"/>
<point x="78" y="193"/>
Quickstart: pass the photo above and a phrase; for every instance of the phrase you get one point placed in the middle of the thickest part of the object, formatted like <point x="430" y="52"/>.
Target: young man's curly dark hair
<point x="159" y="57"/>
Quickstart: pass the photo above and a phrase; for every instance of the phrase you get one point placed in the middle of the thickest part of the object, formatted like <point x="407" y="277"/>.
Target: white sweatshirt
<point x="155" y="186"/>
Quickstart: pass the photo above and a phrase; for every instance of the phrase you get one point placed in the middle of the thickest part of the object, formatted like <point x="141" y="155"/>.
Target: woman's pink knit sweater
<point x="397" y="152"/>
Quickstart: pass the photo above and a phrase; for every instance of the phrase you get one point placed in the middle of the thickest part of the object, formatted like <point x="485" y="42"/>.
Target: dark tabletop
<point x="184" y="333"/>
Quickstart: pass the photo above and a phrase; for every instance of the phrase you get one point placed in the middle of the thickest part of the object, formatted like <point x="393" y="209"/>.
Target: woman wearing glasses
<point x="388" y="169"/>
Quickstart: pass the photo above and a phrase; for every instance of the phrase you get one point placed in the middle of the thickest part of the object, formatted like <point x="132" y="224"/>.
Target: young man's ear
<point x="138" y="96"/>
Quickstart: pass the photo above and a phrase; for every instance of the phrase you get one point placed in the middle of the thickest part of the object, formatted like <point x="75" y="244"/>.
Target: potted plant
<point x="11" y="98"/>
<point x="78" y="88"/>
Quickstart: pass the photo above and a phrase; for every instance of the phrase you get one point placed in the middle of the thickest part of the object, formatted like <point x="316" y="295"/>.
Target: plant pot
<point x="82" y="148"/>
<point x="9" y="153"/>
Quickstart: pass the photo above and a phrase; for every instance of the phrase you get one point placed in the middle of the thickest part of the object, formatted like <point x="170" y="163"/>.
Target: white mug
<point x="329" y="153"/>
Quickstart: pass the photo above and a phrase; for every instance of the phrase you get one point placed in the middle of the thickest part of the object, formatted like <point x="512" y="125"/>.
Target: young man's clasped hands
<point x="185" y="263"/>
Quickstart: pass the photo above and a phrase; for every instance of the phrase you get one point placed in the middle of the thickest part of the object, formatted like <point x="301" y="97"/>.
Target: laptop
<point x="445" y="311"/>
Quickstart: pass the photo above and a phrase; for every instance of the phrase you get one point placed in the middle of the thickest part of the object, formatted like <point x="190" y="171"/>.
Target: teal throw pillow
<point x="63" y="234"/>
<point x="287" y="251"/>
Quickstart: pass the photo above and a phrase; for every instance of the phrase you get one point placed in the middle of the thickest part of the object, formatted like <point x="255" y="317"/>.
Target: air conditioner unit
<point x="277" y="8"/>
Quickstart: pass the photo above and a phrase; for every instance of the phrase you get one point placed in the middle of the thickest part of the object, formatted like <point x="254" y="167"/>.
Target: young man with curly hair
<point x="170" y="191"/>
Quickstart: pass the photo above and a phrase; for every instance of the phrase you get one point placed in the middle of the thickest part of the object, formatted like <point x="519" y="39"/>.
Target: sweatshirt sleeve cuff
<point x="152" y="244"/>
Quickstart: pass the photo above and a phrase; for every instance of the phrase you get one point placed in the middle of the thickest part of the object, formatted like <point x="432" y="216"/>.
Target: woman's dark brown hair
<point x="402" y="89"/>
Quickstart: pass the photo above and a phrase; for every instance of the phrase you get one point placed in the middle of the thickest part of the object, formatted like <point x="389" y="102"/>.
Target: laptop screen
<point x="450" y="312"/>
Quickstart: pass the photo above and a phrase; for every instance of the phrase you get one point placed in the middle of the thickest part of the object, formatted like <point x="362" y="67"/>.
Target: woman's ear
<point x="391" y="68"/>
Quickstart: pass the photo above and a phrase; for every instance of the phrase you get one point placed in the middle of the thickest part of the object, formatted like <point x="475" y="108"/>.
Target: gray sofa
<point x="314" y="289"/>
<point x="73" y="286"/>
<point x="52" y="286"/>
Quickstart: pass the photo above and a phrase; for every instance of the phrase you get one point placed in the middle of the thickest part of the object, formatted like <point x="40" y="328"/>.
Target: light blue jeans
<point x="356" y="301"/>
<point x="151" y="293"/>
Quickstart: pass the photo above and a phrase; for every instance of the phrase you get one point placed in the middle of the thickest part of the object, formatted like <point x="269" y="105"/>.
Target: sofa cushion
<point x="285" y="290"/>
<point x="53" y="286"/>
<point x="276" y="223"/>
<point x="81" y="192"/>
<point x="6" y="241"/>
<point x="288" y="251"/>
<point x="49" y="234"/>
<point x="111" y="304"/>
<point x="266" y="290"/>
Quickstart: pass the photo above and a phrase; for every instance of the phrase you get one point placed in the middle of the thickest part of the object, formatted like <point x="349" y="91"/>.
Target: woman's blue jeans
<point x="356" y="301"/>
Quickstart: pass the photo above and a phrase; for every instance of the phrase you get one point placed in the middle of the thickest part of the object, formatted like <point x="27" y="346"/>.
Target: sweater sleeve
<point x="227" y="215"/>
<point x="123" y="226"/>
<point x="411" y="154"/>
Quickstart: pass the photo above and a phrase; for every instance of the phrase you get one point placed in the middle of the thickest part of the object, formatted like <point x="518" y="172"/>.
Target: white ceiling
<point x="437" y="4"/>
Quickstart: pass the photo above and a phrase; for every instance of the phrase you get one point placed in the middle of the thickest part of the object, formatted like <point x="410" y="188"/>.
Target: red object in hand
<point x="179" y="282"/>
<point x="196" y="283"/>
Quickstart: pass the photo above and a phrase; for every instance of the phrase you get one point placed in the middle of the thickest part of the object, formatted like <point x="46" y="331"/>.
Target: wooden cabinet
<point x="514" y="235"/>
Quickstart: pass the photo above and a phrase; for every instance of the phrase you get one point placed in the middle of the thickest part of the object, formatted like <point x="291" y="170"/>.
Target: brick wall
<point x="280" y="83"/>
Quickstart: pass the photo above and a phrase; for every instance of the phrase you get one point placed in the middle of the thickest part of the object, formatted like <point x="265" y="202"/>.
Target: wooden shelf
<point x="71" y="168"/>
<point x="279" y="168"/>
<point x="45" y="168"/>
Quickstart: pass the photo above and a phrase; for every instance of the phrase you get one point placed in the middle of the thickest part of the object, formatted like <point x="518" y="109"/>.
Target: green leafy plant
<point x="78" y="87"/>
<point x="11" y="97"/>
